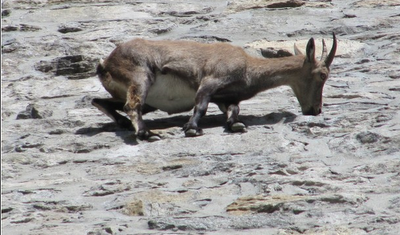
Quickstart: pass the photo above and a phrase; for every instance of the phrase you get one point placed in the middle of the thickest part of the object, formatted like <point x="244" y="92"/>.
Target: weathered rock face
<point x="67" y="169"/>
<point x="73" y="67"/>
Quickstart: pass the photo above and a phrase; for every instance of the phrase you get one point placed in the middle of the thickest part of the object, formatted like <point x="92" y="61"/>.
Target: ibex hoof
<point x="154" y="138"/>
<point x="148" y="135"/>
<point x="193" y="132"/>
<point x="238" y="127"/>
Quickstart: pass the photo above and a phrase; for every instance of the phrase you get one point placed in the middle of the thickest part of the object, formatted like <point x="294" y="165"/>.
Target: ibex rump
<point x="175" y="76"/>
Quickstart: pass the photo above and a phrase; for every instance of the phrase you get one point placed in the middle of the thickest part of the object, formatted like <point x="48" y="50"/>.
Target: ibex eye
<point x="323" y="76"/>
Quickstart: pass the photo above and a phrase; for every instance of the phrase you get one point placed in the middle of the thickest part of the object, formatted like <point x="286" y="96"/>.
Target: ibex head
<point x="308" y="87"/>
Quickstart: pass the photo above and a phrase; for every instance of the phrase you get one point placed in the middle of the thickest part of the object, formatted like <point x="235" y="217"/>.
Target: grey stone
<point x="31" y="112"/>
<point x="68" y="169"/>
<point x="367" y="137"/>
<point x="73" y="67"/>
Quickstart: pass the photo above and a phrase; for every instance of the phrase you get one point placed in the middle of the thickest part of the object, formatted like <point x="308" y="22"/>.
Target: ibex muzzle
<point x="177" y="76"/>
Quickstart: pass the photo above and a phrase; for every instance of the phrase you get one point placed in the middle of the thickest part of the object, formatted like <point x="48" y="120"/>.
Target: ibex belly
<point x="171" y="94"/>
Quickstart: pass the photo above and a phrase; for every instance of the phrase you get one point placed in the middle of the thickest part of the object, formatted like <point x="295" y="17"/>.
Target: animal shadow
<point x="216" y="120"/>
<point x="209" y="121"/>
<point x="269" y="119"/>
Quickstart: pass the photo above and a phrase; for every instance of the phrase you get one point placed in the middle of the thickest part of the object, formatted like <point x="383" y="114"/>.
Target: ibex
<point x="176" y="76"/>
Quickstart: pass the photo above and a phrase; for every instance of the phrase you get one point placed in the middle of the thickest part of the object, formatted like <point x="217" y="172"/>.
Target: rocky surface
<point x="67" y="169"/>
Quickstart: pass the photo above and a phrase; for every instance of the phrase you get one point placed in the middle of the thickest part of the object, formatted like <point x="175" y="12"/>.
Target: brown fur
<point x="219" y="73"/>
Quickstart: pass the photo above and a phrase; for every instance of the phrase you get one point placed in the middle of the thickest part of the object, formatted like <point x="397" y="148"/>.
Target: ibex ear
<point x="311" y="50"/>
<point x="297" y="50"/>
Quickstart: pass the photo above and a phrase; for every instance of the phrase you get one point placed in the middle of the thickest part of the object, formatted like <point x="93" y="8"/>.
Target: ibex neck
<point x="270" y="73"/>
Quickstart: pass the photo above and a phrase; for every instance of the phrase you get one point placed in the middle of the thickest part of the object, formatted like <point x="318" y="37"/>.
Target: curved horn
<point x="297" y="50"/>
<point x="329" y="58"/>
<point x="324" y="51"/>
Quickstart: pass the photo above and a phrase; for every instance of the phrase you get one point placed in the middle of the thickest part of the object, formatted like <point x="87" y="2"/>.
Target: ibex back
<point x="176" y="76"/>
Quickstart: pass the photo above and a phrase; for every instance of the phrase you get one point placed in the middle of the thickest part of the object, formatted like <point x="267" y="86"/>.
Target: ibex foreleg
<point x="191" y="128"/>
<point x="234" y="124"/>
<point x="206" y="90"/>
<point x="209" y="88"/>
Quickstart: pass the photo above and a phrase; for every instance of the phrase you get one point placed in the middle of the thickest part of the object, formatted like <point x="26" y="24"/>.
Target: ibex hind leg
<point x="109" y="107"/>
<point x="134" y="109"/>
